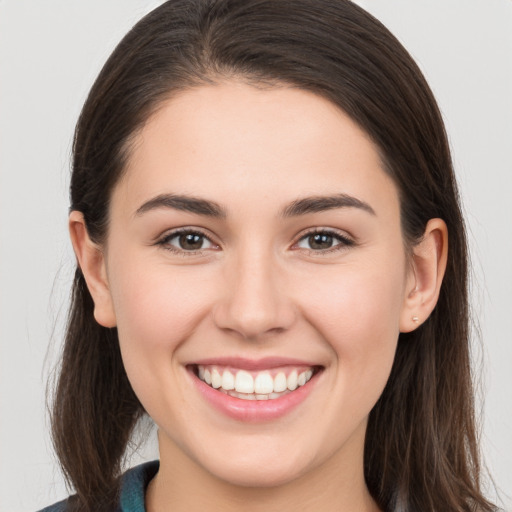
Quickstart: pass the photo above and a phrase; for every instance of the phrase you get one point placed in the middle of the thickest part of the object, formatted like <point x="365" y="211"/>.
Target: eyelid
<point x="345" y="240"/>
<point x="163" y="240"/>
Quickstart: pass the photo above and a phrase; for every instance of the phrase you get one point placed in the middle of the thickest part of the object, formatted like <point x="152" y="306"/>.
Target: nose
<point x="255" y="302"/>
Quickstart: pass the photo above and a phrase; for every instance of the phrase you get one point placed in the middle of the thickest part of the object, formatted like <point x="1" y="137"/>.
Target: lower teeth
<point x="253" y="396"/>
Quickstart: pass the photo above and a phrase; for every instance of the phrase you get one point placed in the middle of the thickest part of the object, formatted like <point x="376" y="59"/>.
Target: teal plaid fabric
<point x="133" y="490"/>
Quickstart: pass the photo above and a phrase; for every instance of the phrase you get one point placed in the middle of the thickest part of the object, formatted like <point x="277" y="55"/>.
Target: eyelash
<point x="164" y="241"/>
<point x="343" y="241"/>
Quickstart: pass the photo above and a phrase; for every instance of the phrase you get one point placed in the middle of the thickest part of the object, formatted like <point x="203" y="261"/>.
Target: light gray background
<point x="51" y="51"/>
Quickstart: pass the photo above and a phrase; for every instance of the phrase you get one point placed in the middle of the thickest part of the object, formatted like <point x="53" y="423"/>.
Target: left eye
<point x="322" y="241"/>
<point x="188" y="241"/>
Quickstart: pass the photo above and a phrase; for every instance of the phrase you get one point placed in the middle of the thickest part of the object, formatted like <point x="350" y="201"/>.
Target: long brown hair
<point x="421" y="451"/>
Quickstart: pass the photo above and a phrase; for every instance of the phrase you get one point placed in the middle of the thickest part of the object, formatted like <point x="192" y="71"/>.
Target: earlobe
<point x="91" y="260"/>
<point x="426" y="275"/>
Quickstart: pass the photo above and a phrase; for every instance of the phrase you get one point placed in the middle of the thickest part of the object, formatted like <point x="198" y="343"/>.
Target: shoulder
<point x="132" y="491"/>
<point x="56" y="507"/>
<point x="133" y="486"/>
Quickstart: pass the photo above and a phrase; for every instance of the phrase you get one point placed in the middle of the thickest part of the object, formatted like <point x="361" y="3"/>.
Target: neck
<point x="182" y="485"/>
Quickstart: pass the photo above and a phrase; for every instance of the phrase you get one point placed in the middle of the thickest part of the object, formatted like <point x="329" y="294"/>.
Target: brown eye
<point x="324" y="241"/>
<point x="187" y="241"/>
<point x="191" y="242"/>
<point x="320" y="241"/>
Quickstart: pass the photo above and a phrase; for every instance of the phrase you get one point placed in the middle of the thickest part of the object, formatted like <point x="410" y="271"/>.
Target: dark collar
<point x="133" y="486"/>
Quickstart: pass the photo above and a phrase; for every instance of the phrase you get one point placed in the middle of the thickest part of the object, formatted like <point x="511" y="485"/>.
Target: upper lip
<point x="265" y="363"/>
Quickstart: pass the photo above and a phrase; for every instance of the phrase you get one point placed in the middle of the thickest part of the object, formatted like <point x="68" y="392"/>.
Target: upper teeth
<point x="261" y="383"/>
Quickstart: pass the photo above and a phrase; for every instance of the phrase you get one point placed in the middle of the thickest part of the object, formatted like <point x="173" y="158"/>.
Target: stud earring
<point x="415" y="319"/>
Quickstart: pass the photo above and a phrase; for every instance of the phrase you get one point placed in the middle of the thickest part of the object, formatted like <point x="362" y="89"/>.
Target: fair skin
<point x="326" y="289"/>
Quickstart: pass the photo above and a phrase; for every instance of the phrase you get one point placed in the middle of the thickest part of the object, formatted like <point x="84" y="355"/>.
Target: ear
<point x="425" y="275"/>
<point x="91" y="260"/>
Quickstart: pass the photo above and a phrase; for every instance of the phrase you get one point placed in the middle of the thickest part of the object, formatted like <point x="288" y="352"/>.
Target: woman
<point x="272" y="265"/>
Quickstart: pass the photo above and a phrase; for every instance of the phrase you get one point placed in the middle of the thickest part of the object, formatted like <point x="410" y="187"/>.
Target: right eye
<point x="187" y="241"/>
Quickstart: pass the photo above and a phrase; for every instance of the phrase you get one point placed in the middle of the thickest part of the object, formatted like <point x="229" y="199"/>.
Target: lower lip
<point x="254" y="411"/>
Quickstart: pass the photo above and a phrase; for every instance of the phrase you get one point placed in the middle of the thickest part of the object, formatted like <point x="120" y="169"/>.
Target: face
<point x="257" y="277"/>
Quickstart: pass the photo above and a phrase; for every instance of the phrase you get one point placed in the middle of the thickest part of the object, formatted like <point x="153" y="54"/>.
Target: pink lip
<point x="252" y="411"/>
<point x="266" y="363"/>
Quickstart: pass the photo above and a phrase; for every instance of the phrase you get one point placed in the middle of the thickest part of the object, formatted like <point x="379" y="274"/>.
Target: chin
<point x="273" y="473"/>
<point x="260" y="465"/>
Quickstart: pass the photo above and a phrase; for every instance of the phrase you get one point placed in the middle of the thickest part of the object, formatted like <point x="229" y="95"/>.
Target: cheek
<point x="355" y="300"/>
<point x="156" y="306"/>
<point x="156" y="310"/>
<point x="357" y="311"/>
<point x="357" y="315"/>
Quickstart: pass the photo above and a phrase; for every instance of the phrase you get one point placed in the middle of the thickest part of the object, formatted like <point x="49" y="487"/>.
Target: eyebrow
<point x="184" y="203"/>
<point x="317" y="204"/>
<point x="304" y="206"/>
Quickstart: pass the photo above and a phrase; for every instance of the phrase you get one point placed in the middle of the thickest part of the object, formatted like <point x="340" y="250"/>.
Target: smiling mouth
<point x="255" y="385"/>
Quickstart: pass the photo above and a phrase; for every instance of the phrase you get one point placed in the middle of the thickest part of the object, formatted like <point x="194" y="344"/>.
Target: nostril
<point x="254" y="324"/>
<point x="253" y="307"/>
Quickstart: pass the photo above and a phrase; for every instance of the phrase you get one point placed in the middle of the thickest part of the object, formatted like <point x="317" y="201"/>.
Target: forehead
<point x="233" y="142"/>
